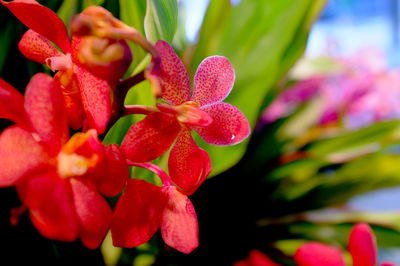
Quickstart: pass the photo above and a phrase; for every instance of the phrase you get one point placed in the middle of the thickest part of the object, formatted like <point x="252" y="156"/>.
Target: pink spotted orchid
<point x="362" y="247"/>
<point x="88" y="89"/>
<point x="59" y="179"/>
<point x="144" y="207"/>
<point x="218" y="123"/>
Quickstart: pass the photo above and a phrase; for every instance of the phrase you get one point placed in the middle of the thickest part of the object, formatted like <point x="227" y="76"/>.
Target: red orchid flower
<point x="144" y="207"/>
<point x="362" y="247"/>
<point x="216" y="122"/>
<point x="58" y="180"/>
<point x="88" y="97"/>
<point x="256" y="258"/>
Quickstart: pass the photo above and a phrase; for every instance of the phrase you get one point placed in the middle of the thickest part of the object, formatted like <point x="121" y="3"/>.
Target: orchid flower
<point x="216" y="122"/>
<point x="144" y="207"/>
<point x="362" y="247"/>
<point x="88" y="95"/>
<point x="256" y="258"/>
<point x="58" y="179"/>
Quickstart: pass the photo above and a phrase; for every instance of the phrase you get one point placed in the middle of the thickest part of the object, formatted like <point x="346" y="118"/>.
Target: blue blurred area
<point x="347" y="26"/>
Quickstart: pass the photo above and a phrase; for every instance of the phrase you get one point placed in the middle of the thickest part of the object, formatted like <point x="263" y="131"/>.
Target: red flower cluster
<point x="362" y="247"/>
<point x="61" y="180"/>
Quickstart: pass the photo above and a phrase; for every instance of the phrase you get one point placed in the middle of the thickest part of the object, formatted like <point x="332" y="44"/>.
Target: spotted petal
<point x="137" y="214"/>
<point x="49" y="200"/>
<point x="44" y="106"/>
<point x="179" y="227"/>
<point x="362" y="245"/>
<point x="96" y="99"/>
<point x="93" y="212"/>
<point x="42" y="20"/>
<point x="174" y="79"/>
<point x="12" y="104"/>
<point x="150" y="138"/>
<point x="316" y="254"/>
<point x="213" y="80"/>
<point x="36" y="47"/>
<point x="188" y="165"/>
<point x="20" y="155"/>
<point x="229" y="125"/>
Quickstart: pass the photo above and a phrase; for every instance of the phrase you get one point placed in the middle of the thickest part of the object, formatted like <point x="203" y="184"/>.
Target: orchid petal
<point x="137" y="214"/>
<point x="213" y="80"/>
<point x="20" y="154"/>
<point x="68" y="83"/>
<point x="174" y="79"/>
<point x="50" y="204"/>
<point x="260" y="259"/>
<point x="36" y="47"/>
<point x="93" y="212"/>
<point x="96" y="99"/>
<point x="44" y="106"/>
<point x="362" y="245"/>
<point x="229" y="125"/>
<point x="317" y="254"/>
<point x="188" y="164"/>
<point x="12" y="104"/>
<point x="111" y="175"/>
<point x="150" y="138"/>
<point x="179" y="227"/>
<point x="42" y="20"/>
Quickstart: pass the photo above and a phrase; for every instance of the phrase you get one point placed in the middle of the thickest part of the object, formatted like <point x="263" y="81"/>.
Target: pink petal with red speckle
<point x="12" y="105"/>
<point x="174" y="79"/>
<point x="362" y="245"/>
<point x="179" y="227"/>
<point x="137" y="214"/>
<point x="42" y="20"/>
<point x="260" y="259"/>
<point x="213" y="80"/>
<point x="188" y="165"/>
<point x="49" y="200"/>
<point x="96" y="99"/>
<point x="44" y="106"/>
<point x="150" y="138"/>
<point x="20" y="154"/>
<point x="36" y="47"/>
<point x="93" y="212"/>
<point x="229" y="125"/>
<point x="317" y="254"/>
<point x="111" y="175"/>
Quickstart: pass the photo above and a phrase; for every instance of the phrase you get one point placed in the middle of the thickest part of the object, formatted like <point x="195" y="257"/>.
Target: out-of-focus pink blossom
<point x="361" y="92"/>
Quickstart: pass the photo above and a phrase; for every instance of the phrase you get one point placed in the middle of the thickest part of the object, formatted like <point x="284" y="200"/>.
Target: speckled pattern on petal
<point x="150" y="138"/>
<point x="174" y="80"/>
<point x="213" y="80"/>
<point x="188" y="165"/>
<point x="36" y="47"/>
<point x="229" y="125"/>
<point x="96" y="99"/>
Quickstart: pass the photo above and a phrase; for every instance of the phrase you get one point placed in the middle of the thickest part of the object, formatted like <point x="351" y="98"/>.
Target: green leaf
<point x="132" y="13"/>
<point x="353" y="144"/>
<point x="67" y="10"/>
<point x="257" y="38"/>
<point x="161" y="20"/>
<point x="139" y="94"/>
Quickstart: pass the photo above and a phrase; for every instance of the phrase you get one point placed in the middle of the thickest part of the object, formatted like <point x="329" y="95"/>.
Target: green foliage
<point x="257" y="37"/>
<point x="161" y="20"/>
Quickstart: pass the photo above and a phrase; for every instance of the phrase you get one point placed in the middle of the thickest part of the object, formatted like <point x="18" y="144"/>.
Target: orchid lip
<point x="187" y="113"/>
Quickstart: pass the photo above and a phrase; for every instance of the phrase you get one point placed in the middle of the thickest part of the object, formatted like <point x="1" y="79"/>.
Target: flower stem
<point x="166" y="181"/>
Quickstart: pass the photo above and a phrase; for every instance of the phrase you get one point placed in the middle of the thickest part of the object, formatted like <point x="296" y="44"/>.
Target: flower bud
<point x="106" y="58"/>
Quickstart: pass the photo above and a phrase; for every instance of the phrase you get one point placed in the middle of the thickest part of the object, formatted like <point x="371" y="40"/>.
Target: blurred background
<point x="320" y="84"/>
